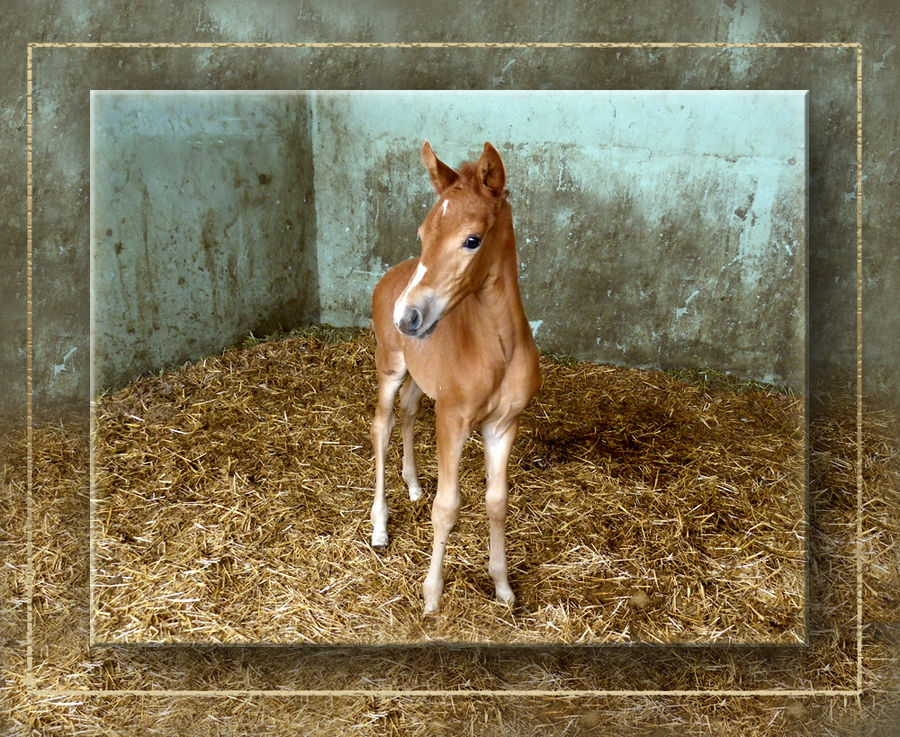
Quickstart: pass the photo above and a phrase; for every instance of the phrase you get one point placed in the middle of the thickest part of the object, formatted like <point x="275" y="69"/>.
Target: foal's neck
<point x="500" y="288"/>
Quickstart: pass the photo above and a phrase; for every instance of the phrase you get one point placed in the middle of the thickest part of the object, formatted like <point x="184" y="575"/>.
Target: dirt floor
<point x="231" y="502"/>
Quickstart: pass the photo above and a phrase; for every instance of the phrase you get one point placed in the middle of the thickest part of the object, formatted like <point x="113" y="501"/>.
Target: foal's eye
<point x="472" y="242"/>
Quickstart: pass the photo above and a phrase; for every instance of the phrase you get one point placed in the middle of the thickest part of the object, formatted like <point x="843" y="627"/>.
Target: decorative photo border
<point x="855" y="690"/>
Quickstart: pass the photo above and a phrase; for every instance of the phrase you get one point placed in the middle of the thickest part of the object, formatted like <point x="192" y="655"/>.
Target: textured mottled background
<point x="63" y="78"/>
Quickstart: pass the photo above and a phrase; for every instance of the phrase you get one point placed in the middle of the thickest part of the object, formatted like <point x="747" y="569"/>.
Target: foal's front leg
<point x="389" y="379"/>
<point x="452" y="430"/>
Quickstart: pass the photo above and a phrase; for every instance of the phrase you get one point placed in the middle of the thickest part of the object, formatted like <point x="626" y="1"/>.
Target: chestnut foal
<point x="453" y="320"/>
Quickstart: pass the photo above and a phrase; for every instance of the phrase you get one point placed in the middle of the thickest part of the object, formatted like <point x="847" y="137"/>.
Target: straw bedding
<point x="231" y="502"/>
<point x="133" y="690"/>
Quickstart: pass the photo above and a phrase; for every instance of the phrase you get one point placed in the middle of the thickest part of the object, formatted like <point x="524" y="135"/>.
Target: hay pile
<point x="231" y="502"/>
<point x="157" y="691"/>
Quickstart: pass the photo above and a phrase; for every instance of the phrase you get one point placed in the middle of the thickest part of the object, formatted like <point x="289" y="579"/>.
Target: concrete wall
<point x="659" y="228"/>
<point x="655" y="228"/>
<point x="64" y="76"/>
<point x="203" y="227"/>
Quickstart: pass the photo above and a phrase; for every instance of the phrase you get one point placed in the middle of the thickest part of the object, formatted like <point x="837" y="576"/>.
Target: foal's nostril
<point x="410" y="322"/>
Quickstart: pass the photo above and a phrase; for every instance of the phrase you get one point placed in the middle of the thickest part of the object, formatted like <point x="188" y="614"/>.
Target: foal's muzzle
<point x="410" y="321"/>
<point x="418" y="321"/>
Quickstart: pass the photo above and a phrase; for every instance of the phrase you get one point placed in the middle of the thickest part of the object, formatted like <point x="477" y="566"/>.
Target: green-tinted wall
<point x="663" y="228"/>
<point x="203" y="226"/>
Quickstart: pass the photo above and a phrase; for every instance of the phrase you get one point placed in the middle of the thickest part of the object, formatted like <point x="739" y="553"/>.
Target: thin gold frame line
<point x="430" y="693"/>
<point x="29" y="424"/>
<point x="859" y="378"/>
<point x="29" y="346"/>
<point x="92" y="413"/>
<point x="442" y="44"/>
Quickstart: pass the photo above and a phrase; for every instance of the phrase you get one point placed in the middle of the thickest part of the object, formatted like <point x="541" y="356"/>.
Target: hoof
<point x="506" y="596"/>
<point x="431" y="593"/>
<point x="430" y="609"/>
<point x="379" y="539"/>
<point x="415" y="492"/>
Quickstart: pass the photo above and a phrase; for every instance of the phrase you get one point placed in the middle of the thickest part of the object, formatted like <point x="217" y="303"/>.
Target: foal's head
<point x="459" y="239"/>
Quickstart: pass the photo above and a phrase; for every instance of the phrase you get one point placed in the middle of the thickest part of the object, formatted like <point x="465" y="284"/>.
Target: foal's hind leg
<point x="410" y="399"/>
<point x="498" y="442"/>
<point x="391" y="371"/>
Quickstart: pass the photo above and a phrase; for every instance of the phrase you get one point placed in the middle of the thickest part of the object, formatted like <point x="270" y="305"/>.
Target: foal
<point x="453" y="320"/>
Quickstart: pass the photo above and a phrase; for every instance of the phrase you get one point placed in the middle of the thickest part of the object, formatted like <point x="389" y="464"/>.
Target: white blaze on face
<point x="400" y="304"/>
<point x="444" y="206"/>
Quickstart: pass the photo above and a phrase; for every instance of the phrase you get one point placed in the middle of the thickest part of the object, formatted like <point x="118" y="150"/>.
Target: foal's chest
<point x="460" y="358"/>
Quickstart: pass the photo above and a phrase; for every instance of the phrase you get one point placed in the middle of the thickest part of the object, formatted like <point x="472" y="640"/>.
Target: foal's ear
<point x="442" y="176"/>
<point x="491" y="173"/>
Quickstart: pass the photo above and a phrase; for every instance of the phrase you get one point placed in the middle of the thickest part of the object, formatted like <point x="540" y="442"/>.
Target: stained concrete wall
<point x="655" y="228"/>
<point x="663" y="228"/>
<point x="202" y="227"/>
<point x="63" y="77"/>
